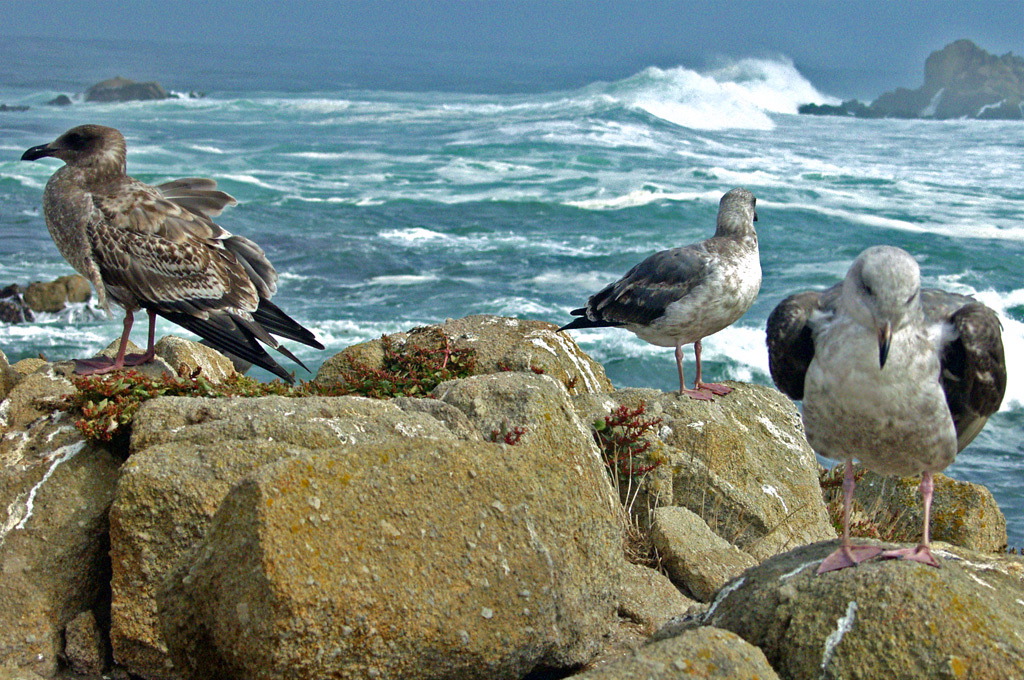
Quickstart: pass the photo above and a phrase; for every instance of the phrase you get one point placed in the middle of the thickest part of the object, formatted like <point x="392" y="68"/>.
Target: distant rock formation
<point x="960" y="81"/>
<point x="6" y="107"/>
<point x="60" y="100"/>
<point x="18" y="304"/>
<point x="124" y="90"/>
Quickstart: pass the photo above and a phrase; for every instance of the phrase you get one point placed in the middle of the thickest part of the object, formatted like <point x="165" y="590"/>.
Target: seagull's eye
<point x="867" y="289"/>
<point x="74" y="141"/>
<point x="911" y="298"/>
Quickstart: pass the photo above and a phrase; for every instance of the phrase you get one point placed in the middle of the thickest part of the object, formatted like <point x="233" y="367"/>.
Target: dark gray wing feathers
<point x="973" y="365"/>
<point x="791" y="341"/>
<point x="643" y="294"/>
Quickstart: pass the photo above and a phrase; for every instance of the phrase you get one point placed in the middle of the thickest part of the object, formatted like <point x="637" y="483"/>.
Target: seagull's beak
<point x="37" y="152"/>
<point x="755" y="216"/>
<point x="884" y="338"/>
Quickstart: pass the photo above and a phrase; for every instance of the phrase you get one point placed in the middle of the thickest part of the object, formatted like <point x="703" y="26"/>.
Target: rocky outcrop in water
<point x="472" y="531"/>
<point x="18" y="304"/>
<point x="960" y="81"/>
<point x="124" y="90"/>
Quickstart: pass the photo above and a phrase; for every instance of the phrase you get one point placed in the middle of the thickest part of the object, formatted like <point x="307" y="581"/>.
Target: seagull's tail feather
<point x="227" y="333"/>
<point x="584" y="321"/>
<point x="263" y="336"/>
<point x="255" y="262"/>
<point x="273" y="318"/>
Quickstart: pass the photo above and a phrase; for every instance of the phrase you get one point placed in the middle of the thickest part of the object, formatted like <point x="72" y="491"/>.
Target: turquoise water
<point x="385" y="210"/>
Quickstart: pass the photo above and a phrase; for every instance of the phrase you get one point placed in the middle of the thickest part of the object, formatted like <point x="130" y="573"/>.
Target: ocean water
<point x="386" y="208"/>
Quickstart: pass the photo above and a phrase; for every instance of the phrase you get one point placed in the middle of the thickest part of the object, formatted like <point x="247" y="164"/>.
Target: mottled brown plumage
<point x="157" y="248"/>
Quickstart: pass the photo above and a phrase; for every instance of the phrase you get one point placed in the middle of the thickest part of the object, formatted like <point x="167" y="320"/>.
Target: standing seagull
<point x="898" y="377"/>
<point x="157" y="248"/>
<point x="683" y="295"/>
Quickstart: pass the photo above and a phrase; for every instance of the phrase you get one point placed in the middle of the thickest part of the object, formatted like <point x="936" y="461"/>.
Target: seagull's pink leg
<point x="848" y="555"/>
<point x="137" y="359"/>
<point x="101" y="365"/>
<point x="922" y="553"/>
<point x="714" y="388"/>
<point x="692" y="394"/>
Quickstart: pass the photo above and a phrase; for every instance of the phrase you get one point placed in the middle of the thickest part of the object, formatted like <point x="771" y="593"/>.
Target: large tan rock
<point x="186" y="356"/>
<point x="498" y="403"/>
<point x="186" y="455"/>
<point x="881" y="619"/>
<point x="501" y="344"/>
<point x="85" y="650"/>
<point x="36" y="394"/>
<point x="695" y="557"/>
<point x="411" y="559"/>
<point x="649" y="599"/>
<point x="706" y="653"/>
<point x="55" y="490"/>
<point x="8" y="378"/>
<point x="741" y="463"/>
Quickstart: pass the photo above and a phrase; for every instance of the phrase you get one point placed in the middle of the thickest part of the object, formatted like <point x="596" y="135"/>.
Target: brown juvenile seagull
<point x="898" y="376"/>
<point x="683" y="295"/>
<point x="157" y="248"/>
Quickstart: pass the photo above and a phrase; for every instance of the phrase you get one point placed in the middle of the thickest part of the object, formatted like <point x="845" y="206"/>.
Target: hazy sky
<point x="874" y="40"/>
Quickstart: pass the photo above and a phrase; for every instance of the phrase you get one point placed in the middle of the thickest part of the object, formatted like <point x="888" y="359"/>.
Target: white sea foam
<point x="412" y="235"/>
<point x="511" y="306"/>
<point x="565" y="280"/>
<point x="207" y="148"/>
<point x="636" y="198"/>
<point x="741" y="94"/>
<point x="403" y="279"/>
<point x="320" y="105"/>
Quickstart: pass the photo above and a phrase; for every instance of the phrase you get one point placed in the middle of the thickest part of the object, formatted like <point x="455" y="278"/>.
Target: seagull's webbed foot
<point x="699" y="394"/>
<point x="921" y="553"/>
<point x="101" y="365"/>
<point x="139" y="359"/>
<point x="848" y="556"/>
<point x="97" y="366"/>
<point x="714" y="388"/>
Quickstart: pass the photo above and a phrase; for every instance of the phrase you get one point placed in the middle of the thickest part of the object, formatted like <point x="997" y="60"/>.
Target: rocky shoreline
<point x="117" y="90"/>
<point x="960" y="81"/>
<point x="472" y="531"/>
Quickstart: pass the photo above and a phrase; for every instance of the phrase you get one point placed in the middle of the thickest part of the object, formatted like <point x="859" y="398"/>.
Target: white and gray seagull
<point x="157" y="248"/>
<point x="899" y="377"/>
<point x="680" y="296"/>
